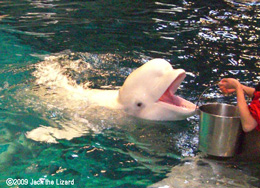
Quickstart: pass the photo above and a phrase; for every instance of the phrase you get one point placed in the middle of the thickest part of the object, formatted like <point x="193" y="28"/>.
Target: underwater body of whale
<point x="147" y="93"/>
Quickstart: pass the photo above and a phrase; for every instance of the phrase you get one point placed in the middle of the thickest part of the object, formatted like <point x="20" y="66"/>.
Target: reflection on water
<point x="209" y="39"/>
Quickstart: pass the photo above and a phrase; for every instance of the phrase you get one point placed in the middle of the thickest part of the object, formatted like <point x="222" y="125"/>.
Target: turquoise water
<point x="210" y="40"/>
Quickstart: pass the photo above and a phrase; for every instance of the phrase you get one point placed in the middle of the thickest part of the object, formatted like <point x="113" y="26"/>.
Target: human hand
<point x="228" y="85"/>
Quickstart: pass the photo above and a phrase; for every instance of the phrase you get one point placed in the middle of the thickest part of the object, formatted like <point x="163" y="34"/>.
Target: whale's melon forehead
<point x="148" y="82"/>
<point x="156" y="66"/>
<point x="149" y="74"/>
<point x="150" y="71"/>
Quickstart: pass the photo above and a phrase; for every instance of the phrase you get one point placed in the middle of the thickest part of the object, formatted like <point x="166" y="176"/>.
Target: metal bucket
<point x="220" y="129"/>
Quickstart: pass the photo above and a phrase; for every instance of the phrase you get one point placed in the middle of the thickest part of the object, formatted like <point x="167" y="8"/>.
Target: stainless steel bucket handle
<point x="213" y="84"/>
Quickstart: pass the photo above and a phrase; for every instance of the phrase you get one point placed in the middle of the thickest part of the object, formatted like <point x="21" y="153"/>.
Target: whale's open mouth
<point x="170" y="98"/>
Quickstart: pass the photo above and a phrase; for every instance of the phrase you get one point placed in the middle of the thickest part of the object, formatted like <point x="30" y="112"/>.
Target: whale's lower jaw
<point x="178" y="113"/>
<point x="176" y="102"/>
<point x="168" y="116"/>
<point x="160" y="111"/>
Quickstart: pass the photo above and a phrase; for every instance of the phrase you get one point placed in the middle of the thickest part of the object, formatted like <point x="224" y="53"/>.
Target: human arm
<point x="249" y="91"/>
<point x="230" y="85"/>
<point x="247" y="120"/>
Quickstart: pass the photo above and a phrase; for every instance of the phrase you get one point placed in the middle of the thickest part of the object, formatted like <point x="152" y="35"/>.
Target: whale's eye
<point x="139" y="104"/>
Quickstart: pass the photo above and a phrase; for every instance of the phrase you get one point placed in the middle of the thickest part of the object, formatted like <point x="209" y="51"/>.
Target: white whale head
<point x="149" y="93"/>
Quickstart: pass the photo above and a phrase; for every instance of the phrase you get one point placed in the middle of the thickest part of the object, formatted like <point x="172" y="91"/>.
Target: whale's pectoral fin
<point x="44" y="134"/>
<point x="52" y="134"/>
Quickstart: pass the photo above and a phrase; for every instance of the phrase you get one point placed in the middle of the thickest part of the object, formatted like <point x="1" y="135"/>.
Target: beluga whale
<point x="147" y="93"/>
